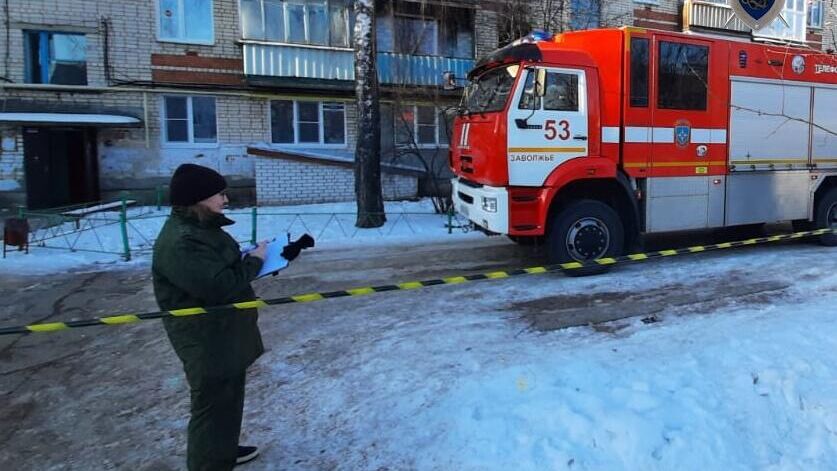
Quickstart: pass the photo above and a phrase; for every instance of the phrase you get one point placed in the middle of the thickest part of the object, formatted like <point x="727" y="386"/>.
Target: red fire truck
<point x="589" y="139"/>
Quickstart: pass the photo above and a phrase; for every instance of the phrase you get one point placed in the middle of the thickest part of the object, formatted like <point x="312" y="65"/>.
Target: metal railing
<point x="127" y="231"/>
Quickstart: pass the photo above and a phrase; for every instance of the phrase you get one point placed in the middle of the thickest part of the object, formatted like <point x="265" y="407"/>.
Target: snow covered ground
<point x="453" y="378"/>
<point x="741" y="384"/>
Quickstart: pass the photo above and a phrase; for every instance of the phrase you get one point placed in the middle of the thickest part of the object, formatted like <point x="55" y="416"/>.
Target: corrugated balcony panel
<point x="715" y="16"/>
<point x="403" y="69"/>
<point x="274" y="60"/>
<point x="296" y="61"/>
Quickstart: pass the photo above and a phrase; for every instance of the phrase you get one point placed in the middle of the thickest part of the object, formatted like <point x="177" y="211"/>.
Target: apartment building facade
<point x="97" y="98"/>
<point x="101" y="97"/>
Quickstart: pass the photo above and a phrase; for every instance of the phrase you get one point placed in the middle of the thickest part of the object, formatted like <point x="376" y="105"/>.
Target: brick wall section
<point x="485" y="30"/>
<point x="133" y="34"/>
<point x="829" y="32"/>
<point x="280" y="182"/>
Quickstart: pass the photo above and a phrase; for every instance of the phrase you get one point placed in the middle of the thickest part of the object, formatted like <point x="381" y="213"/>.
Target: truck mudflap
<point x="485" y="206"/>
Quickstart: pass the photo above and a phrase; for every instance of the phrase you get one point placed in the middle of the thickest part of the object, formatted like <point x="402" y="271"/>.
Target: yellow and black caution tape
<point x="453" y="280"/>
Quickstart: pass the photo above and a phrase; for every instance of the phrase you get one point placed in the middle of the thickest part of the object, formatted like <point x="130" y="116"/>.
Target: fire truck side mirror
<point x="540" y="82"/>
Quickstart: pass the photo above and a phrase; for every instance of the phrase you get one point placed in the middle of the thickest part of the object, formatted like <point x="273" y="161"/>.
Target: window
<point x="421" y="28"/>
<point x="456" y="37"/>
<point x="307" y="122"/>
<point x="55" y="58"/>
<point x="529" y="99"/>
<point x="639" y="72"/>
<point x="682" y="76"/>
<point x="561" y="92"/>
<point x="318" y="22"/>
<point x="815" y="14"/>
<point x="189" y="120"/>
<point x="415" y="35"/>
<point x="187" y="21"/>
<point x="794" y="30"/>
<point x="421" y="125"/>
<point x="586" y="14"/>
<point x="490" y="91"/>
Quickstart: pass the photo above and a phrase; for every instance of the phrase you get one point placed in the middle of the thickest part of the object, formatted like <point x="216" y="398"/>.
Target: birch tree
<point x="370" y="201"/>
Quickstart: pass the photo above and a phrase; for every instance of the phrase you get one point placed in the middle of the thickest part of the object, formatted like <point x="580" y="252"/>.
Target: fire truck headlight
<point x="489" y="205"/>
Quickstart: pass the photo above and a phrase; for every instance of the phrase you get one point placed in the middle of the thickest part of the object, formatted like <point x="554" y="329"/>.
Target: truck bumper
<point x="485" y="206"/>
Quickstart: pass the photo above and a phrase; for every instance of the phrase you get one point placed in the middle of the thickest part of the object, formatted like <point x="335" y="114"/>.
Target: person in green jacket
<point x="197" y="263"/>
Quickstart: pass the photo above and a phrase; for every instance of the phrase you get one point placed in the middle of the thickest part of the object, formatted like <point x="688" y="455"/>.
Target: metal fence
<point x="126" y="231"/>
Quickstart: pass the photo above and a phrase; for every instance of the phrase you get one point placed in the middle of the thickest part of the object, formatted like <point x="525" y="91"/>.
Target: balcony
<point x="297" y="61"/>
<point x="403" y="69"/>
<point x="711" y="15"/>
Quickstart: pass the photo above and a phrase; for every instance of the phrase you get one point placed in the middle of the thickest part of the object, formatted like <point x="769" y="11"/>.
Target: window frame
<point x="182" y="25"/>
<point x="306" y="24"/>
<point x="658" y="77"/>
<point x="574" y="7"/>
<point x="320" y="144"/>
<point x="437" y="144"/>
<point x="190" y="124"/>
<point x="648" y="77"/>
<point x="768" y="33"/>
<point x="396" y="44"/>
<point x="808" y="12"/>
<point x="43" y="46"/>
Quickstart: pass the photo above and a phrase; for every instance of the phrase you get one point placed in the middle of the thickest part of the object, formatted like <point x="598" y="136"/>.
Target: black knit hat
<point x="193" y="183"/>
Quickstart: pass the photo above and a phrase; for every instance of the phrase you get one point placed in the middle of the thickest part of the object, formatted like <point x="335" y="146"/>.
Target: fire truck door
<point x="549" y="128"/>
<point x="688" y="165"/>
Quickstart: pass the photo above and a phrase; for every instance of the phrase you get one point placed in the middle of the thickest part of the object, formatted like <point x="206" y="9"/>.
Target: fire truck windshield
<point x="489" y="92"/>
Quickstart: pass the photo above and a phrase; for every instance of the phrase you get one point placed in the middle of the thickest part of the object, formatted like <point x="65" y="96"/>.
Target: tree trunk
<point x="370" y="201"/>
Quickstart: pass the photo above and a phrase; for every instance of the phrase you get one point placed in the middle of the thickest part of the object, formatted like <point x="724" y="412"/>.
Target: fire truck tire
<point x="826" y="217"/>
<point x="585" y="230"/>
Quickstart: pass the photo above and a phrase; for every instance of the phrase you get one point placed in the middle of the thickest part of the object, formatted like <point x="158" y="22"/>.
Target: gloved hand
<point x="291" y="251"/>
<point x="305" y="242"/>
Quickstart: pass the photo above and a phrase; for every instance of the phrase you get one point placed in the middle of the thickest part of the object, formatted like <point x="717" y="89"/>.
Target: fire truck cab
<point x="589" y="139"/>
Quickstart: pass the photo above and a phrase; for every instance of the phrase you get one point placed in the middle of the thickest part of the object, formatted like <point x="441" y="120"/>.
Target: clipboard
<point x="273" y="260"/>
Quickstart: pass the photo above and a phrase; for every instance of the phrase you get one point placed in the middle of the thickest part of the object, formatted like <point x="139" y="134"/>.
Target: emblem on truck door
<point x="682" y="133"/>
<point x="757" y="13"/>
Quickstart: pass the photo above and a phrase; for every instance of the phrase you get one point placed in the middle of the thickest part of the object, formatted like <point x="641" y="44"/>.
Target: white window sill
<point x="306" y="145"/>
<point x="263" y="42"/>
<point x="196" y="42"/>
<point x="648" y="2"/>
<point x="191" y="145"/>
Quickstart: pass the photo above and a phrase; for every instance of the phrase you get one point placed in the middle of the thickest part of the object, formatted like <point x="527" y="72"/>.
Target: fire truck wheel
<point x="585" y="230"/>
<point x="827" y="217"/>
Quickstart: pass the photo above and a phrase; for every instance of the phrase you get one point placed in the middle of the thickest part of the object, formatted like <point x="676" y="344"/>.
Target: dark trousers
<point x="215" y="426"/>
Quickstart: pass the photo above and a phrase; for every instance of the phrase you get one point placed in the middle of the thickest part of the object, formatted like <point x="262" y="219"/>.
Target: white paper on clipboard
<point x="273" y="260"/>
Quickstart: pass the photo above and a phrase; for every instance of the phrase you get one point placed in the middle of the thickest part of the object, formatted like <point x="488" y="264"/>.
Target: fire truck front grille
<point x="466" y="198"/>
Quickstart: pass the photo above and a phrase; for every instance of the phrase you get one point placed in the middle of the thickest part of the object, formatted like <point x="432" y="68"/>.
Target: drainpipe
<point x="145" y="120"/>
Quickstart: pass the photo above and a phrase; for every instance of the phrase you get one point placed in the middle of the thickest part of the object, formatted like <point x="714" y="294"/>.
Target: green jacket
<point x="197" y="264"/>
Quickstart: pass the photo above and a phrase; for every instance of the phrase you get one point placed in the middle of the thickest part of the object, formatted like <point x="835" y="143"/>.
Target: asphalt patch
<point x="563" y="311"/>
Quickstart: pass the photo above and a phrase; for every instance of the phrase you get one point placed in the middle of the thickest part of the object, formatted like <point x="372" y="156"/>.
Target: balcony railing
<point x="712" y="15"/>
<point x="405" y="69"/>
<point x="289" y="60"/>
